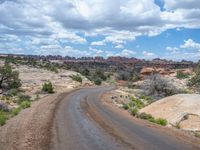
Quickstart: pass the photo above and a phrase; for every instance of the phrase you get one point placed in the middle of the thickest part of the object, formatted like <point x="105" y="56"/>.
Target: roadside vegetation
<point x="136" y="104"/>
<point x="10" y="93"/>
<point x="182" y="75"/>
<point x="77" y="78"/>
<point x="195" y="80"/>
<point x="48" y="87"/>
<point x="159" y="87"/>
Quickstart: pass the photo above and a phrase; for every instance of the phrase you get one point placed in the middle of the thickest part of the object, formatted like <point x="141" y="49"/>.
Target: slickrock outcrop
<point x="180" y="110"/>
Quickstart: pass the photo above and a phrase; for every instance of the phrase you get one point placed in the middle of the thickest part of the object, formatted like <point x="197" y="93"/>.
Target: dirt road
<point x="82" y="122"/>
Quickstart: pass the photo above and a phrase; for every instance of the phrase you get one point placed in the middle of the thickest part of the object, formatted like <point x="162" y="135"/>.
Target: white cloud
<point x="43" y="24"/>
<point x="127" y="53"/>
<point x="120" y="46"/>
<point x="149" y="55"/>
<point x="98" y="43"/>
<point x="172" y="49"/>
<point x="190" y="44"/>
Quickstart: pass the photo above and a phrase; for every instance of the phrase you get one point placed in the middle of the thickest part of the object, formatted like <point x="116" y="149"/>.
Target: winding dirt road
<point x="82" y="122"/>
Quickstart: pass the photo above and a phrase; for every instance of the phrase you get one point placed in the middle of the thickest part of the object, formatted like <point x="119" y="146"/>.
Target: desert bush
<point x="22" y="98"/>
<point x="16" y="111"/>
<point x="48" y="87"/>
<point x="97" y="81"/>
<point x="137" y="102"/>
<point x="85" y="72"/>
<point x="99" y="74"/>
<point x="182" y="75"/>
<point x="12" y="92"/>
<point x="159" y="86"/>
<point x="135" y="76"/>
<point x="124" y="75"/>
<point x="145" y="116"/>
<point x="76" y="78"/>
<point x="9" y="79"/>
<point x="150" y="118"/>
<point x="197" y="134"/>
<point x="4" y="107"/>
<point x="195" y="80"/>
<point x="3" y="119"/>
<point x="125" y="106"/>
<point x="133" y="111"/>
<point x="161" y="121"/>
<point x="25" y="104"/>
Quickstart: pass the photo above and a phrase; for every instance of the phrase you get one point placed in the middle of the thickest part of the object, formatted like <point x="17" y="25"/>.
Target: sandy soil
<point x="33" y="78"/>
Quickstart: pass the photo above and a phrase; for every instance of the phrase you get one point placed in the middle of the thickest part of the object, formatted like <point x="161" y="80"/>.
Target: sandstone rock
<point x="176" y="109"/>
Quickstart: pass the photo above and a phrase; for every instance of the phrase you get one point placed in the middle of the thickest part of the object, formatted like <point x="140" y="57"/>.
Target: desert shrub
<point x="48" y="87"/>
<point x="161" y="121"/>
<point x="137" y="102"/>
<point x="12" y="92"/>
<point x="4" y="107"/>
<point x="159" y="86"/>
<point x="85" y="72"/>
<point x="125" y="106"/>
<point x="124" y="75"/>
<point x="99" y="74"/>
<point x="197" y="134"/>
<point x="145" y="116"/>
<point x="22" y="98"/>
<point x="150" y="118"/>
<point x="145" y="97"/>
<point x="16" y="111"/>
<point x="135" y="77"/>
<point x="97" y="81"/>
<point x="182" y="75"/>
<point x="133" y="111"/>
<point x="195" y="80"/>
<point x="25" y="104"/>
<point x="9" y="79"/>
<point x="76" y="78"/>
<point x="3" y="119"/>
<point x="53" y="69"/>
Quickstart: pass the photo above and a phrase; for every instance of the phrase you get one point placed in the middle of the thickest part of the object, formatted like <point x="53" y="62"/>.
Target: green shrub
<point x="125" y="106"/>
<point x="195" y="80"/>
<point x="100" y="74"/>
<point x="3" y="119"/>
<point x="153" y="120"/>
<point x="16" y="111"/>
<point x="12" y="92"/>
<point x="9" y="78"/>
<point x="161" y="121"/>
<point x="133" y="111"/>
<point x="76" y="78"/>
<point x="48" y="87"/>
<point x="197" y="134"/>
<point x="150" y="118"/>
<point x="137" y="102"/>
<point x="25" y="104"/>
<point x="4" y="107"/>
<point x="182" y="75"/>
<point x="53" y="69"/>
<point x="22" y="98"/>
<point x="145" y="116"/>
<point x="97" y="81"/>
<point x="85" y="72"/>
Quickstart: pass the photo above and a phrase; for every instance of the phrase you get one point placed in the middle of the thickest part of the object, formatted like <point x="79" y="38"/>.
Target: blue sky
<point x="147" y="29"/>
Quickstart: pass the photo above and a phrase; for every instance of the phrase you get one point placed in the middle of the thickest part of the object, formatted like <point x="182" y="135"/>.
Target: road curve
<point x="82" y="123"/>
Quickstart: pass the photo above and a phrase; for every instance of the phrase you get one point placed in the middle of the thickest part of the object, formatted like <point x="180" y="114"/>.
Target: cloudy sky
<point x="132" y="28"/>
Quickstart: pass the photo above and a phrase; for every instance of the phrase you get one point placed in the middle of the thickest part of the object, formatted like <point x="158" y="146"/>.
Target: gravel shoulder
<point x="30" y="130"/>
